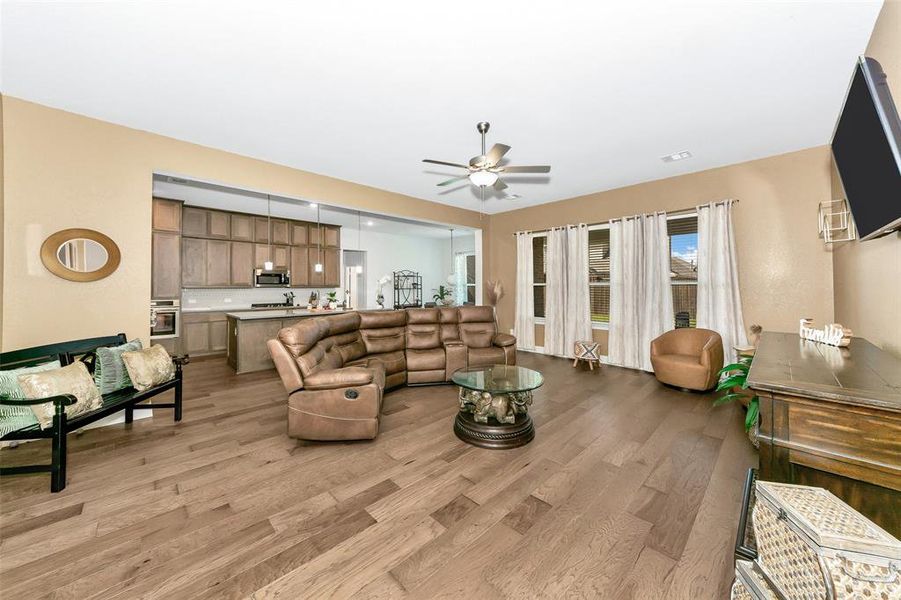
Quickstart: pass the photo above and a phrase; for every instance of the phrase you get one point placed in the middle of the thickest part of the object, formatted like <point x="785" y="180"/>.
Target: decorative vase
<point x="380" y="300"/>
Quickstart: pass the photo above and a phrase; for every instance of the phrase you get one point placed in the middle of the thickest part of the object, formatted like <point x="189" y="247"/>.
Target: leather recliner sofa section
<point x="336" y="368"/>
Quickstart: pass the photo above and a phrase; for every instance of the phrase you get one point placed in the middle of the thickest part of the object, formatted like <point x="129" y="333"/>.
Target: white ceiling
<point x="365" y="90"/>
<point x="197" y="193"/>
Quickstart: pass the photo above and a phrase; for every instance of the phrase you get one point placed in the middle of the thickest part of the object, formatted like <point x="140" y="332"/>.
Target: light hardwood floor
<point x="629" y="490"/>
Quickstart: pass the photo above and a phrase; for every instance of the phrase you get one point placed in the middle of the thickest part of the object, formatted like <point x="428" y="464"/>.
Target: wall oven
<point x="165" y="317"/>
<point x="275" y="278"/>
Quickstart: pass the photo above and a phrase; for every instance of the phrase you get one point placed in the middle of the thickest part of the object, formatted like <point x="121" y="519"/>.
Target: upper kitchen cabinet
<point x="201" y="222"/>
<point x="300" y="233"/>
<point x="166" y="215"/>
<point x="280" y="232"/>
<point x="242" y="264"/>
<point x="241" y="227"/>
<point x="331" y="235"/>
<point x="165" y="272"/>
<point x="279" y="255"/>
<point x="205" y="263"/>
<point x="261" y="229"/>
<point x="300" y="266"/>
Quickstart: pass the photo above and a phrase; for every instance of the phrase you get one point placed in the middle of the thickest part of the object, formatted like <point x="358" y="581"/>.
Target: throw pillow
<point x="149" y="367"/>
<point x="13" y="418"/>
<point x="73" y="379"/>
<point x="110" y="373"/>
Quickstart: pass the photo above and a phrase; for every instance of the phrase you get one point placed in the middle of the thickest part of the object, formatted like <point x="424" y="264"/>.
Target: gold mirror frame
<point x="51" y="245"/>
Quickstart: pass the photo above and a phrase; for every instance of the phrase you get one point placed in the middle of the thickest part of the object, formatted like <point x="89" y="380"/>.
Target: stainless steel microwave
<point x="274" y="278"/>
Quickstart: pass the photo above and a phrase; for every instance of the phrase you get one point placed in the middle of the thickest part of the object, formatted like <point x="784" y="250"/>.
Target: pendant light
<point x="452" y="278"/>
<point x="318" y="266"/>
<point x="268" y="266"/>
<point x="359" y="268"/>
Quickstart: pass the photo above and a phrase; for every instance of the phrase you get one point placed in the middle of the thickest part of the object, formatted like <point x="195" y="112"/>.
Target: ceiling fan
<point x="485" y="169"/>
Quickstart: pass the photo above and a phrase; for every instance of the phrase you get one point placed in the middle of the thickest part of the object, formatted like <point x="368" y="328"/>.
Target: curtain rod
<point x="669" y="213"/>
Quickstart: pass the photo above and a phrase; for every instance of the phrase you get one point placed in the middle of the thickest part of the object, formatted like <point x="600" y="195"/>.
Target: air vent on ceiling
<point x="676" y="156"/>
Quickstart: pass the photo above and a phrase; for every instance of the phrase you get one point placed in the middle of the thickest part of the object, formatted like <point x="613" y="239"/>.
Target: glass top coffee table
<point x="494" y="405"/>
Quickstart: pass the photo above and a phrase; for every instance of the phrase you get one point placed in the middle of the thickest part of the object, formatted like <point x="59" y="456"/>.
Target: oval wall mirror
<point x="80" y="254"/>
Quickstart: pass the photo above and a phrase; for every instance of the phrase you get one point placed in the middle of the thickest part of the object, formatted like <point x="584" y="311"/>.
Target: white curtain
<point x="524" y="324"/>
<point x="641" y="297"/>
<point x="460" y="279"/>
<point x="567" y="312"/>
<point x="719" y="300"/>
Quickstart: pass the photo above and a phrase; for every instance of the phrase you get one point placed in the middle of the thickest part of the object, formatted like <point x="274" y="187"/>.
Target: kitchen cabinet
<point x="241" y="265"/>
<point x="279" y="232"/>
<point x="300" y="266"/>
<point x="261" y="229"/>
<point x="330" y="276"/>
<point x="300" y="233"/>
<point x="331" y="235"/>
<point x="194" y="222"/>
<point x="241" y="227"/>
<point x="279" y="256"/>
<point x="166" y="215"/>
<point x="218" y="224"/>
<point x="165" y="272"/>
<point x="204" y="333"/>
<point x="205" y="263"/>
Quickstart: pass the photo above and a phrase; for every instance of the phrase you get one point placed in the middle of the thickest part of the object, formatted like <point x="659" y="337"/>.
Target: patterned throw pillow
<point x="73" y="379"/>
<point x="13" y="418"/>
<point x="110" y="373"/>
<point x="149" y="367"/>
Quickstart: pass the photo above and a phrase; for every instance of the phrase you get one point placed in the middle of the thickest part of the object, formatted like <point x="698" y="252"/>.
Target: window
<point x="539" y="252"/>
<point x="683" y="245"/>
<point x="470" y="279"/>
<point x="599" y="274"/>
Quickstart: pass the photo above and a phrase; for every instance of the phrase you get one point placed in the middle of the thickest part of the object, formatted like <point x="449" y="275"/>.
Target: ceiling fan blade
<point x="530" y="169"/>
<point x="497" y="153"/>
<point x="454" y="180"/>
<point x="477" y="161"/>
<point x="441" y="162"/>
<point x="500" y="185"/>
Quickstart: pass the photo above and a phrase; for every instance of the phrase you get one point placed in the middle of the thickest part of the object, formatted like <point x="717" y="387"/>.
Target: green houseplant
<point x="443" y="295"/>
<point x="736" y="376"/>
<point x="332" y="299"/>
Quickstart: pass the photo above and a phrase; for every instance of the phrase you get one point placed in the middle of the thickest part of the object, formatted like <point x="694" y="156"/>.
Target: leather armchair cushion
<point x="449" y="319"/>
<point x="482" y="357"/>
<point x="426" y="360"/>
<point x="388" y="339"/>
<point x="392" y="362"/>
<point x="504" y="339"/>
<point x="339" y="378"/>
<point x="418" y="316"/>
<point x="477" y="335"/>
<point x="423" y="336"/>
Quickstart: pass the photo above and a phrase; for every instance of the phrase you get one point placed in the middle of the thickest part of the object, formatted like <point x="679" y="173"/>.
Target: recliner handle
<point x="351" y="394"/>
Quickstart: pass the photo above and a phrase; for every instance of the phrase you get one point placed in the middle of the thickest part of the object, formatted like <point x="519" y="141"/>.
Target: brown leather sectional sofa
<point x="336" y="368"/>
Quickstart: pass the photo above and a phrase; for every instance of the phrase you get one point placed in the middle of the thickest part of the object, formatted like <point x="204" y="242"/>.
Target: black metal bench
<point x="68" y="352"/>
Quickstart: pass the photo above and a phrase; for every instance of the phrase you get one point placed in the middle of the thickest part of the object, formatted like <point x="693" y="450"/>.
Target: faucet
<point x="289" y="298"/>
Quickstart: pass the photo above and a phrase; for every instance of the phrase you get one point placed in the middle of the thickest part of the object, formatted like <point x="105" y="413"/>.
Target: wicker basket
<point x="811" y="545"/>
<point x="752" y="582"/>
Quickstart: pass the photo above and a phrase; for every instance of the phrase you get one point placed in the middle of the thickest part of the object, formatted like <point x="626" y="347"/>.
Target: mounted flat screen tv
<point x="867" y="150"/>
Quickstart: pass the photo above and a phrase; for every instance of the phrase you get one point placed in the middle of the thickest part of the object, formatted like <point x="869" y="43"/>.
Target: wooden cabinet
<point x="241" y="227"/>
<point x="205" y="263"/>
<point x="241" y="265"/>
<point x="332" y="267"/>
<point x="300" y="266"/>
<point x="279" y="256"/>
<point x="279" y="232"/>
<point x="261" y="229"/>
<point x="218" y="224"/>
<point x="218" y="271"/>
<point x="332" y="236"/>
<point x="166" y="215"/>
<point x="194" y="222"/>
<point x="300" y="233"/>
<point x="204" y="333"/>
<point x="165" y="271"/>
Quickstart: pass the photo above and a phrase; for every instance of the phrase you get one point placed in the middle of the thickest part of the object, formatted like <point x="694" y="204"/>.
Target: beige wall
<point x="64" y="170"/>
<point x="867" y="274"/>
<point x="784" y="269"/>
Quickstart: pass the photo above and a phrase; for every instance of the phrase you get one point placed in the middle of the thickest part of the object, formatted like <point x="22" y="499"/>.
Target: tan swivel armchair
<point x="688" y="358"/>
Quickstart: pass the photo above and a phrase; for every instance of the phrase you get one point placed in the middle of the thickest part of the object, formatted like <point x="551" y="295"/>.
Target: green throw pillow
<point x="13" y="418"/>
<point x="110" y="374"/>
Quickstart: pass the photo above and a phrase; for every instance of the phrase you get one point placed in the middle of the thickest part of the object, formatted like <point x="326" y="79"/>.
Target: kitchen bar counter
<point x="249" y="330"/>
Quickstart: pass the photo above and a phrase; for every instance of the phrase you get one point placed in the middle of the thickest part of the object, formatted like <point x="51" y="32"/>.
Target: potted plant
<point x="444" y="296"/>
<point x="332" y="300"/>
<point x="734" y="381"/>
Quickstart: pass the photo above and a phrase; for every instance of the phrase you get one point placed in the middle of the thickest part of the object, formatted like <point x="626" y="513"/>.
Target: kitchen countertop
<point x="255" y="315"/>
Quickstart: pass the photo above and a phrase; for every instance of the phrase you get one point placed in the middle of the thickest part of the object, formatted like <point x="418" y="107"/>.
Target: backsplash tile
<point x="240" y="298"/>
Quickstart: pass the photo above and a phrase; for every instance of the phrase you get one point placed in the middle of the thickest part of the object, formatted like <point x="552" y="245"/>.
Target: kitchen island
<point x="249" y="330"/>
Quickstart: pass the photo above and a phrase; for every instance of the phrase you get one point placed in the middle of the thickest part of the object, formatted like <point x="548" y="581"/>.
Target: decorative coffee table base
<point x="494" y="435"/>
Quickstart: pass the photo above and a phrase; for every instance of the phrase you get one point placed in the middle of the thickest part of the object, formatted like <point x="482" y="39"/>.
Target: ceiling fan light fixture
<point x="482" y="178"/>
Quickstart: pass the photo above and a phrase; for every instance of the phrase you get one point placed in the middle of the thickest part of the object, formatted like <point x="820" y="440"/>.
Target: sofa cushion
<point x="110" y="373"/>
<point x="476" y="314"/>
<point x="341" y="378"/>
<point x="326" y="354"/>
<point x="393" y="362"/>
<point x="72" y="379"/>
<point x="449" y="317"/>
<point x="483" y="357"/>
<point x="149" y="367"/>
<point x="303" y="335"/>
<point x="422" y="336"/>
<point x="425" y="360"/>
<point x="477" y="335"/>
<point x="379" y="319"/>
<point x="388" y="339"/>
<point x="422" y="316"/>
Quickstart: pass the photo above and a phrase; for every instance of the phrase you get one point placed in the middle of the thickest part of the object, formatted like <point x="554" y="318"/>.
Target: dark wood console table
<point x="831" y="417"/>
